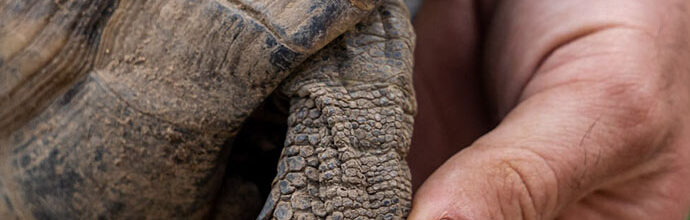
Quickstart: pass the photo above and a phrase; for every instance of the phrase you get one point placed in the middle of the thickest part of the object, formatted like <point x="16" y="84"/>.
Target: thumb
<point x="481" y="183"/>
<point x="552" y="149"/>
<point x="595" y="110"/>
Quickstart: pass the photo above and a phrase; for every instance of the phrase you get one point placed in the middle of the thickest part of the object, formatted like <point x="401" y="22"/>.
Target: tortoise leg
<point x="349" y="128"/>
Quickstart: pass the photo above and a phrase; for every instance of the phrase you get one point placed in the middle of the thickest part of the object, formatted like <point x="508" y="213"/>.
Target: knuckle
<point x="639" y="114"/>
<point x="632" y="103"/>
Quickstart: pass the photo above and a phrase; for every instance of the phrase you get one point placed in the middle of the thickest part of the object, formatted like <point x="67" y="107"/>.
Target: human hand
<point x="593" y="99"/>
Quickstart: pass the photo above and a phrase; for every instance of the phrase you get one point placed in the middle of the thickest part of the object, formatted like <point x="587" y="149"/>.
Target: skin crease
<point x="592" y="99"/>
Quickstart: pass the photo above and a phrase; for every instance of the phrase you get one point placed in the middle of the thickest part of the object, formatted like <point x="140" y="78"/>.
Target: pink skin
<point x="592" y="100"/>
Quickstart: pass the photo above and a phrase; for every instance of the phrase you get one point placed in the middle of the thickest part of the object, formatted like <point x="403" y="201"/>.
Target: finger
<point x="550" y="150"/>
<point x="590" y="110"/>
<point x="447" y="85"/>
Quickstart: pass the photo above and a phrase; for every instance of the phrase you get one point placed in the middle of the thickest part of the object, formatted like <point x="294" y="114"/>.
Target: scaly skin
<point x="350" y="125"/>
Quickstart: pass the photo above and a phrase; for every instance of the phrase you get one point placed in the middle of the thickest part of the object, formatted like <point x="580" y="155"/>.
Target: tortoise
<point x="191" y="109"/>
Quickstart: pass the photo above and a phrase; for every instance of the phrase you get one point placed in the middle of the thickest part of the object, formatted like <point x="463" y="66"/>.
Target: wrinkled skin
<point x="593" y="99"/>
<point x="132" y="109"/>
